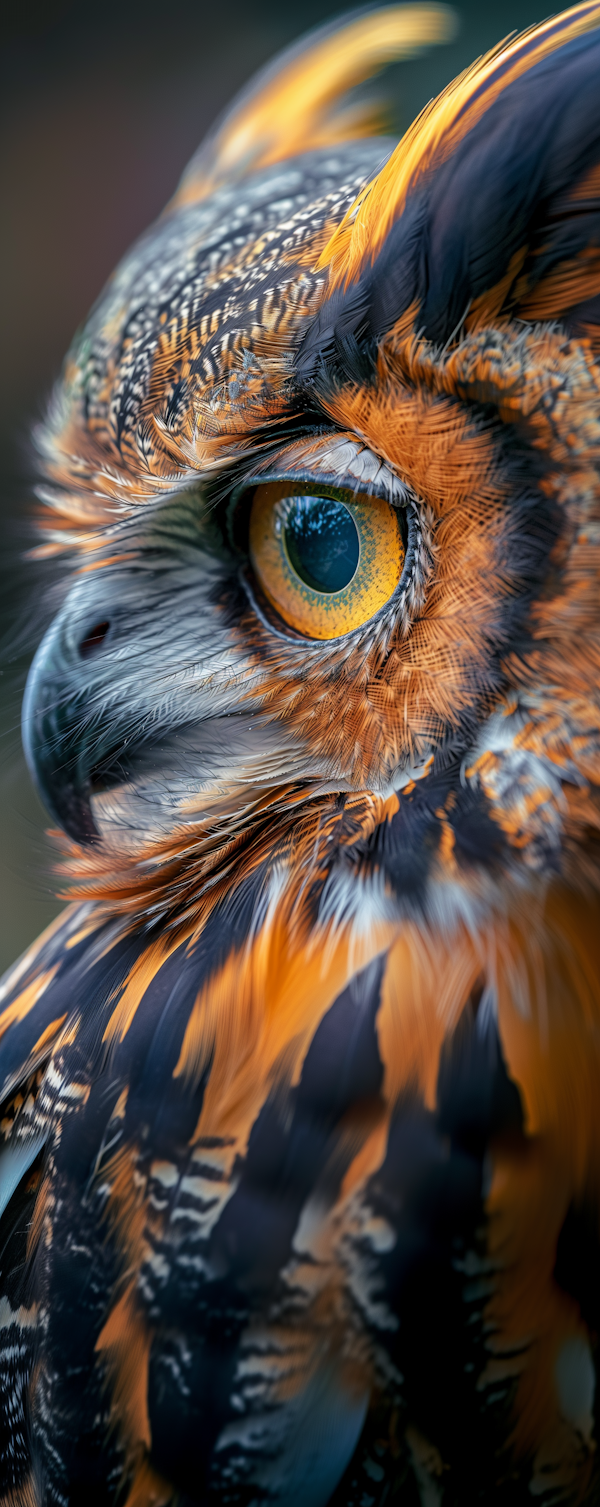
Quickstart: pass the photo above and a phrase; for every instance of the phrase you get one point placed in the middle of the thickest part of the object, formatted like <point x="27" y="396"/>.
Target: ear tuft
<point x="487" y="211"/>
<point x="512" y="82"/>
<point x="296" y="104"/>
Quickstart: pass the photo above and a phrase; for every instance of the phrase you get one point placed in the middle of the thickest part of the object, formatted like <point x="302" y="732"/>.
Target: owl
<point x="300" y="1128"/>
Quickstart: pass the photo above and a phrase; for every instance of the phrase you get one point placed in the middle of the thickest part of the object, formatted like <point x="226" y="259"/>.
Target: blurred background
<point x="102" y="105"/>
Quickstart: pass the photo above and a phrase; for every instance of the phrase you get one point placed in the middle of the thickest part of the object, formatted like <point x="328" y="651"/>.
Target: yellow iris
<point x="327" y="559"/>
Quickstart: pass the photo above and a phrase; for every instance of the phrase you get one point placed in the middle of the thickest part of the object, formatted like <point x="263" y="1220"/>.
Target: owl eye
<point x="327" y="559"/>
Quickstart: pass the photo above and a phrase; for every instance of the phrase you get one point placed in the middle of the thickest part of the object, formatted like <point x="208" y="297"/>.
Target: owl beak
<point x="53" y="719"/>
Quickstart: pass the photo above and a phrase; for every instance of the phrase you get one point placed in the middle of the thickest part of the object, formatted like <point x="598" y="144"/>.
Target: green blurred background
<point x="102" y="105"/>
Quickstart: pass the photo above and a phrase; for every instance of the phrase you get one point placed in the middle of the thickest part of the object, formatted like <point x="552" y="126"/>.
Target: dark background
<point x="102" y="105"/>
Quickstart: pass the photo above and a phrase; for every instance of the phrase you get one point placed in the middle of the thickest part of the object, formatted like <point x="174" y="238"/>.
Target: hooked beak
<point x="56" y="712"/>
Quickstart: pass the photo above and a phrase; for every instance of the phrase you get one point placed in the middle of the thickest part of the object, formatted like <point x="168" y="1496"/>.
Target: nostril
<point x="93" y="639"/>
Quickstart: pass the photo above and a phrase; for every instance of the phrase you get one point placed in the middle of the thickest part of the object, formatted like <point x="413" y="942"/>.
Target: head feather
<point x="437" y="133"/>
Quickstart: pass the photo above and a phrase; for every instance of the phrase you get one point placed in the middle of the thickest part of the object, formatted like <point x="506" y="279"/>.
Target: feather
<point x="487" y="209"/>
<point x="294" y="104"/>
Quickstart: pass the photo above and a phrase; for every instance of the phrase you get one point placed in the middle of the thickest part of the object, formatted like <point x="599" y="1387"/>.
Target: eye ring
<point x="353" y="549"/>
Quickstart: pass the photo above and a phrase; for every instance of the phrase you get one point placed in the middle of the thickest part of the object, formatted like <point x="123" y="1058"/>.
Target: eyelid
<point x="334" y="459"/>
<point x="326" y="464"/>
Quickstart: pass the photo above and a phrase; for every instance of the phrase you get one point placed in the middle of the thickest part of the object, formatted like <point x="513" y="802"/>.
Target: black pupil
<point x="322" y="542"/>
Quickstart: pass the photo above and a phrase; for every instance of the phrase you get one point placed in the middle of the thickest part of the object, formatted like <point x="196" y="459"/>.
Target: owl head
<point x="323" y="465"/>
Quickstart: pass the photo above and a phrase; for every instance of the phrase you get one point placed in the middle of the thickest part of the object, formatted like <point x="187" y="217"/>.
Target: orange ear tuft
<point x="436" y="133"/>
<point x="293" y="105"/>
